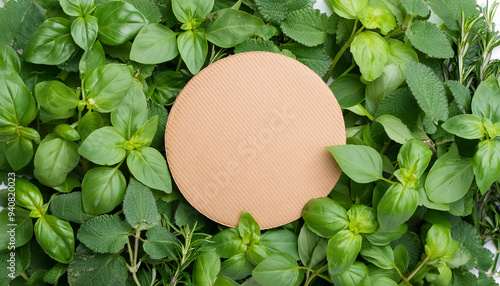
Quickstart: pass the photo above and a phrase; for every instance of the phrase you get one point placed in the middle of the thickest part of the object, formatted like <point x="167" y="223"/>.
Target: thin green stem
<point x="384" y="179"/>
<point x="25" y="277"/>
<point x="415" y="271"/>
<point x="342" y="50"/>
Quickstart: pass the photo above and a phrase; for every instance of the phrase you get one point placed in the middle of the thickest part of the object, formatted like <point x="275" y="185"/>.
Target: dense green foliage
<point x="84" y="101"/>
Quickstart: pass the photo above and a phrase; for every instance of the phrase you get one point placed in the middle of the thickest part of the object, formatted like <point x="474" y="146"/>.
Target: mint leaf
<point x="306" y="26"/>
<point x="88" y="268"/>
<point x="252" y="45"/>
<point x="429" y="39"/>
<point x="53" y="275"/>
<point x="450" y="11"/>
<point x="314" y="57"/>
<point x="418" y="7"/>
<point x="428" y="91"/>
<point x="104" y="234"/>
<point x="466" y="278"/>
<point x="69" y="207"/>
<point x="18" y="22"/>
<point x="160" y="243"/>
<point x="275" y="11"/>
<point x="139" y="206"/>
<point x="148" y="9"/>
<point x="468" y="236"/>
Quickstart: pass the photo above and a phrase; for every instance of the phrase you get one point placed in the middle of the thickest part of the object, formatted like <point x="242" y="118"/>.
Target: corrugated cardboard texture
<point x="249" y="133"/>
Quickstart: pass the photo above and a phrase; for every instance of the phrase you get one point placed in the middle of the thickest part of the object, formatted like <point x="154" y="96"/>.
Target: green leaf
<point x="314" y="57"/>
<point x="104" y="146"/>
<point x="325" y="217"/>
<point x="186" y="11"/>
<point x="254" y="45"/>
<point x="428" y="90"/>
<point x="228" y="243"/>
<point x="362" y="219"/>
<point x="306" y="26"/>
<point x="28" y="195"/>
<point x="396" y="206"/>
<point x="395" y="128"/>
<point x="17" y="106"/>
<point x="278" y="269"/>
<point x="160" y="243"/>
<point x="132" y="113"/>
<point x="54" y="159"/>
<point x="84" y="31"/>
<point x="378" y="16"/>
<point x="103" y="189"/>
<point x="348" y="90"/>
<point x="451" y="11"/>
<point x="19" y="152"/>
<point x="361" y="163"/>
<point x="104" y="234"/>
<point x="468" y="126"/>
<point x="9" y="56"/>
<point x="370" y="51"/>
<point x="106" y="86"/>
<point x="193" y="48"/>
<point x="118" y="22"/>
<point x="418" y="7"/>
<point x="486" y="164"/>
<point x="90" y="122"/>
<point x="461" y="94"/>
<point x="248" y="229"/>
<point x="280" y="241"/>
<point x="381" y="238"/>
<point x="17" y="20"/>
<point x="257" y="253"/>
<point x="52" y="276"/>
<point x="381" y="256"/>
<point x="92" y="58"/>
<point x="415" y="156"/>
<point x="206" y="268"/>
<point x="69" y="207"/>
<point x="162" y="113"/>
<point x="77" y="8"/>
<point x="145" y="134"/>
<point x="236" y="267"/>
<point x="347" y="9"/>
<point x="486" y="102"/>
<point x="356" y="274"/>
<point x="55" y="97"/>
<point x="51" y="44"/>
<point x="56" y="237"/>
<point x="154" y="44"/>
<point x="275" y="11"/>
<point x="167" y="85"/>
<point x="449" y="178"/>
<point x="342" y="250"/>
<point x="89" y="268"/>
<point x="438" y="241"/>
<point x="19" y="226"/>
<point x="139" y="206"/>
<point x="150" y="168"/>
<point x="469" y="237"/>
<point x="311" y="248"/>
<point x="429" y="39"/>
<point x="151" y="10"/>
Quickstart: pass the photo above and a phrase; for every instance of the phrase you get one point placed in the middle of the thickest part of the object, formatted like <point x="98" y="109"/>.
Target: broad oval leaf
<point x="139" y="206"/>
<point x="237" y="267"/>
<point x="306" y="26"/>
<point x="150" y="168"/>
<point x="104" y="146"/>
<point x="380" y="256"/>
<point x="167" y="86"/>
<point x="311" y="248"/>
<point x="415" y="156"/>
<point x="362" y="219"/>
<point x="104" y="234"/>
<point x="84" y="31"/>
<point x="206" y="268"/>
<point x="132" y="113"/>
<point x="396" y="206"/>
<point x="118" y="22"/>
<point x="486" y="100"/>
<point x="193" y="47"/>
<point x="103" y="189"/>
<point x="51" y="44"/>
<point x="381" y="238"/>
<point x="356" y="274"/>
<point x="395" y="128"/>
<point x="342" y="251"/>
<point x="278" y="269"/>
<point x="370" y="52"/>
<point x="348" y="90"/>
<point x="486" y="164"/>
<point x="248" y="229"/>
<point x="429" y="39"/>
<point x="468" y="126"/>
<point x="17" y="106"/>
<point x="56" y="238"/>
<point x="347" y="9"/>
<point x="280" y="241"/>
<point x="90" y="122"/>
<point x="10" y="57"/>
<point x="55" y="97"/>
<point x="19" y="152"/>
<point x="28" y="195"/>
<point x="154" y="44"/>
<point x="377" y="16"/>
<point x="92" y="58"/>
<point x="325" y="217"/>
<point x="54" y="159"/>
<point x="361" y="163"/>
<point x="69" y="207"/>
<point x="77" y="8"/>
<point x="228" y="243"/>
<point x="22" y="230"/>
<point x="186" y="11"/>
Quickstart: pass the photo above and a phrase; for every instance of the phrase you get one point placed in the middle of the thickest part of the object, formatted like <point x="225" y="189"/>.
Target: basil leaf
<point x="231" y="27"/>
<point x="486" y="102"/>
<point x="193" y="47"/>
<point x="348" y="90"/>
<point x="362" y="219"/>
<point x="149" y="167"/>
<point x="54" y="159"/>
<point x="10" y="57"/>
<point x="17" y="106"/>
<point x="56" y="238"/>
<point x="132" y="113"/>
<point x="106" y="86"/>
<point x="370" y="51"/>
<point x="256" y="253"/>
<point x="104" y="146"/>
<point x="118" y="22"/>
<point x="325" y="217"/>
<point x="186" y="11"/>
<point x="396" y="206"/>
<point x="380" y="256"/>
<point x="66" y="132"/>
<point x="69" y="207"/>
<point x="154" y="44"/>
<point x="51" y="44"/>
<point x="236" y="267"/>
<point x="84" y="31"/>
<point x="280" y="241"/>
<point x="414" y="156"/>
<point x="278" y="269"/>
<point x="468" y="126"/>
<point x="77" y="8"/>
<point x="167" y="85"/>
<point x="92" y="58"/>
<point x="23" y="229"/>
<point x="55" y="97"/>
<point x="356" y="274"/>
<point x="486" y="164"/>
<point x="378" y="16"/>
<point x="342" y="250"/>
<point x="309" y="246"/>
<point x="395" y="128"/>
<point x="90" y="122"/>
<point x="28" y="195"/>
<point x="361" y="163"/>
<point x="381" y="238"/>
<point x="248" y="229"/>
<point x="438" y="241"/>
<point x="145" y="134"/>
<point x="103" y="189"/>
<point x="347" y="9"/>
<point x="228" y="243"/>
<point x="206" y="268"/>
<point x="19" y="152"/>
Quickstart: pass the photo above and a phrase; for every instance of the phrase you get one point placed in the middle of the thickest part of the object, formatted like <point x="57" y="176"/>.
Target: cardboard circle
<point x="249" y="133"/>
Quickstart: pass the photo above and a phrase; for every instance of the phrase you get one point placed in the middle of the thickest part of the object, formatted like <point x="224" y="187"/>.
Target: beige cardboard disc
<point x="248" y="133"/>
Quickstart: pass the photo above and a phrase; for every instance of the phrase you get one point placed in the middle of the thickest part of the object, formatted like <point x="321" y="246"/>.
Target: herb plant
<point x="85" y="90"/>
